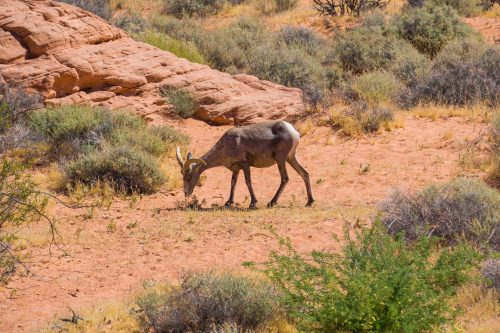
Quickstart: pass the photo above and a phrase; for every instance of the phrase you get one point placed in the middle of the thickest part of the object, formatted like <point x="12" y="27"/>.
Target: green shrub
<point x="491" y="273"/>
<point x="181" y="49"/>
<point x="98" y="7"/>
<point x="463" y="209"/>
<point x="411" y="67"/>
<point x="116" y="147"/>
<point x="289" y="67"/>
<point x="375" y="284"/>
<point x="126" y="168"/>
<point x="365" y="49"/>
<point x="376" y="87"/>
<point x="430" y="28"/>
<point x="182" y="101"/>
<point x="302" y="38"/>
<point x="463" y="7"/>
<point x="207" y="300"/>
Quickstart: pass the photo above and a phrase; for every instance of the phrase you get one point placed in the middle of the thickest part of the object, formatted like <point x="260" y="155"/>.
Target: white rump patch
<point x="292" y="130"/>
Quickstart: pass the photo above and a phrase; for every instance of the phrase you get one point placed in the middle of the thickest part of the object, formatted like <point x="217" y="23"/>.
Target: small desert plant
<point x="376" y="87"/>
<point x="303" y="38"/>
<point x="347" y="7"/>
<point x="463" y="209"/>
<point x="193" y="8"/>
<point x="162" y="41"/>
<point x="15" y="101"/>
<point x="207" y="300"/>
<point x="131" y="22"/>
<point x="98" y="7"/>
<point x="269" y="7"/>
<point x="491" y="272"/>
<point x="371" y="285"/>
<point x="430" y="28"/>
<point x="20" y="204"/>
<point x="360" y="118"/>
<point x="181" y="100"/>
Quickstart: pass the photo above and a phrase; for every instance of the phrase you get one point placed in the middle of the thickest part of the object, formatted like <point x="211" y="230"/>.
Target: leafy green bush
<point x="181" y="49"/>
<point x="182" y="101"/>
<point x="207" y="300"/>
<point x="376" y="87"/>
<point x="98" y="7"/>
<point x="21" y="203"/>
<point x="126" y="168"/>
<point x="375" y="284"/>
<point x="430" y="28"/>
<point x="463" y="209"/>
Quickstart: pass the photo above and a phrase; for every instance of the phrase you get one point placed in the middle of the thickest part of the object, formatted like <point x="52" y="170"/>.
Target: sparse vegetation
<point x="347" y="7"/>
<point x="361" y="118"/>
<point x="371" y="285"/>
<point x="463" y="209"/>
<point x="181" y="100"/>
<point x="207" y="301"/>
<point x="20" y="204"/>
<point x="98" y="7"/>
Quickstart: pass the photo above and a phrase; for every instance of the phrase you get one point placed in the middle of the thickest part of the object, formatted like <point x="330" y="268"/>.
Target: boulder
<point x="72" y="56"/>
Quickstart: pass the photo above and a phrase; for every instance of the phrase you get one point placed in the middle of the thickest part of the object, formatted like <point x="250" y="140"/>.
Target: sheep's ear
<point x="190" y="156"/>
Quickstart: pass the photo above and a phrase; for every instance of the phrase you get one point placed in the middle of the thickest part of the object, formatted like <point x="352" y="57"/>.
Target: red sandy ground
<point x="104" y="265"/>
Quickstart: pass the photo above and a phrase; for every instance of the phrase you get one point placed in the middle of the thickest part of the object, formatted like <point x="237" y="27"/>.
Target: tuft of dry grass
<point x="477" y="113"/>
<point x="114" y="317"/>
<point x="480" y="308"/>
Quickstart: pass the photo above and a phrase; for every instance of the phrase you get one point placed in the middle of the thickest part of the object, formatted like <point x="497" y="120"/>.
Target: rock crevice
<point x="72" y="56"/>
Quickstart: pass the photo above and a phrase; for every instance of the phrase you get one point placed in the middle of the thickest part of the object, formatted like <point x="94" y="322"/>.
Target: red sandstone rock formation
<point x="72" y="56"/>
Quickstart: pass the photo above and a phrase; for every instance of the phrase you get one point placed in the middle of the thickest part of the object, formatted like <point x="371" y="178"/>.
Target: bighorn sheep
<point x="261" y="146"/>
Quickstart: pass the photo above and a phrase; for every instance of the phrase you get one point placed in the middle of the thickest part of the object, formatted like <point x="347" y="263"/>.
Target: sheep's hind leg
<point x="305" y="176"/>
<point x="284" y="181"/>
<point x="234" y="180"/>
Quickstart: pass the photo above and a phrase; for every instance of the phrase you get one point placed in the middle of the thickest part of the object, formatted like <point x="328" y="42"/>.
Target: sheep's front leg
<point x="248" y="181"/>
<point x="234" y="180"/>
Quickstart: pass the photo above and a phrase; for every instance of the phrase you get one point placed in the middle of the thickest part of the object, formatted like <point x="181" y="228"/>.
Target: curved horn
<point x="190" y="161"/>
<point x="179" y="157"/>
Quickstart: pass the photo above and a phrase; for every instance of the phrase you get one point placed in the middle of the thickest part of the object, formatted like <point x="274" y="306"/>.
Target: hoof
<point x="228" y="204"/>
<point x="309" y="203"/>
<point x="253" y="205"/>
<point x="271" y="204"/>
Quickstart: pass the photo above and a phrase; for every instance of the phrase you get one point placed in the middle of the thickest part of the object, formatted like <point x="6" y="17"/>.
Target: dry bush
<point x="15" y="101"/>
<point x="98" y="7"/>
<point x="463" y="209"/>
<point x="348" y="7"/>
<point x="361" y="118"/>
<point x="491" y="273"/>
<point x="207" y="300"/>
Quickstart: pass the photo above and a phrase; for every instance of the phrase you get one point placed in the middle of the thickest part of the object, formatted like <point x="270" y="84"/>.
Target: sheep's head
<point x="191" y="170"/>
